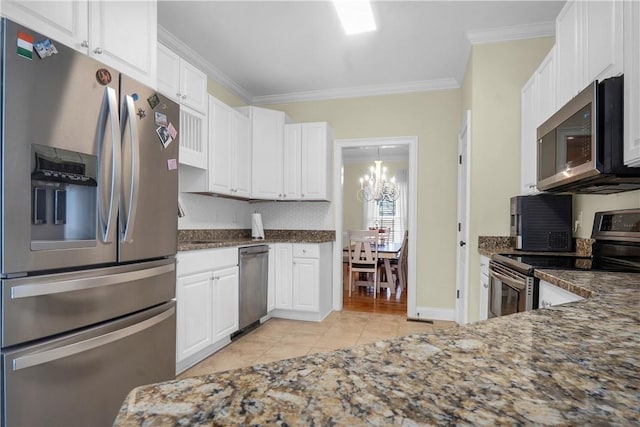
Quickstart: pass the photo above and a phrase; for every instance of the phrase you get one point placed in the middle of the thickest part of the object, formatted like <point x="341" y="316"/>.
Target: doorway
<point x="409" y="145"/>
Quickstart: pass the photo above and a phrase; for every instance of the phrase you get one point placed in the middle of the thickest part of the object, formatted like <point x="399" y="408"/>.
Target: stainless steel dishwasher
<point x="254" y="269"/>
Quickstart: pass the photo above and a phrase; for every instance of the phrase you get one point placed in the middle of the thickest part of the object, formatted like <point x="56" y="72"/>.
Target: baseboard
<point x="434" y="313"/>
<point x="310" y="316"/>
<point x="183" y="365"/>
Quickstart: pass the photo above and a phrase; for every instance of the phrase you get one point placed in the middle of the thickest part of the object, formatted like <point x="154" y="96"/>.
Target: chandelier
<point x="374" y="186"/>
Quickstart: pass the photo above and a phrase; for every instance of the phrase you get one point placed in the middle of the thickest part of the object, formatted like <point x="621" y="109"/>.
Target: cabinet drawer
<point x="310" y="250"/>
<point x="190" y="262"/>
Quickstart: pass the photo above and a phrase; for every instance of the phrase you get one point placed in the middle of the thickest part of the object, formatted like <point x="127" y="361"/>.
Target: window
<point x="387" y="208"/>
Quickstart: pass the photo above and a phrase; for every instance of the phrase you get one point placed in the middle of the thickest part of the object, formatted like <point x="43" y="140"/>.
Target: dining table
<point x="386" y="252"/>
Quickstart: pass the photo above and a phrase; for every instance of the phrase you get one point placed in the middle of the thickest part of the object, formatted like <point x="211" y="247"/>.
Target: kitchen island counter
<point x="573" y="364"/>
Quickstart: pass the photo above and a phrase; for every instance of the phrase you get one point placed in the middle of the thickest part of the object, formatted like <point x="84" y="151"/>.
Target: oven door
<point x="509" y="291"/>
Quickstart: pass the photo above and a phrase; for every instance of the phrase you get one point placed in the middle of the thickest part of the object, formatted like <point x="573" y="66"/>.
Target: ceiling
<point x="278" y="51"/>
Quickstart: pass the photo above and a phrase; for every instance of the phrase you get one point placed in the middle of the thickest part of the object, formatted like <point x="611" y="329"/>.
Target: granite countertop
<point x="574" y="364"/>
<point x="189" y="240"/>
<point x="491" y="245"/>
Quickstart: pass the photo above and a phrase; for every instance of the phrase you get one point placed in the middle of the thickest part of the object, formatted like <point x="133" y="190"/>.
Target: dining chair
<point x="399" y="267"/>
<point x="363" y="257"/>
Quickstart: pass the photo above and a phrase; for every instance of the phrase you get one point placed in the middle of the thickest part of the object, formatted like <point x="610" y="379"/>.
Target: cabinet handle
<point x="304" y="251"/>
<point x="85" y="43"/>
<point x="302" y="195"/>
<point x="97" y="50"/>
<point x="486" y="285"/>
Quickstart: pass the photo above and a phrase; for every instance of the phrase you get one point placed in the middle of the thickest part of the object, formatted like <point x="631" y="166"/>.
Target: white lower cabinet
<point x="207" y="303"/>
<point x="551" y="295"/>
<point x="303" y="280"/>
<point x="271" y="281"/>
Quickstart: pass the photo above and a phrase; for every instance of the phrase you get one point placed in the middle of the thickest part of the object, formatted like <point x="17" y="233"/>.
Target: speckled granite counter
<point x="189" y="240"/>
<point x="490" y="245"/>
<point x="575" y="364"/>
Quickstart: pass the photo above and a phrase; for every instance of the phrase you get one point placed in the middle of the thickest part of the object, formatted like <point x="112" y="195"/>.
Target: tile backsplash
<point x="207" y="212"/>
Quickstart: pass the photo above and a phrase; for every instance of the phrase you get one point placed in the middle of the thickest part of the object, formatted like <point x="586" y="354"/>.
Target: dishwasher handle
<point x="254" y="250"/>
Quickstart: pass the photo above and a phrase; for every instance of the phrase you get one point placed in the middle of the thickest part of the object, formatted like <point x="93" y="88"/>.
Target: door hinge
<point x="458" y="294"/>
<point x="459" y="227"/>
<point x="460" y="159"/>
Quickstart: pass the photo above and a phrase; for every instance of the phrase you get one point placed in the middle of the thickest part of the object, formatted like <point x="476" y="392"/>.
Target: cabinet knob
<point x="85" y="43"/>
<point x="302" y="195"/>
<point x="304" y="251"/>
<point x="97" y="50"/>
<point x="184" y="96"/>
<point x="486" y="285"/>
<point x="178" y="94"/>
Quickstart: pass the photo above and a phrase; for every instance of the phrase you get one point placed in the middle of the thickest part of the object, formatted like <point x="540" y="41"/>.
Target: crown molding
<point x="358" y="91"/>
<point x="515" y="32"/>
<point x="186" y="52"/>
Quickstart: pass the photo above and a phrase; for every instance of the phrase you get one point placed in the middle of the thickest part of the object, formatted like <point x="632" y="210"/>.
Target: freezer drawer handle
<point x="86" y="345"/>
<point x="34" y="290"/>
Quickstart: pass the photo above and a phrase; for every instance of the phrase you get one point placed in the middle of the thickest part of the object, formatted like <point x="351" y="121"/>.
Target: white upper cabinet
<point x="315" y="169"/>
<point x="124" y="35"/>
<point x="546" y="88"/>
<point x="120" y="34"/>
<point x="181" y="81"/>
<point x="63" y="21"/>
<point x="307" y="162"/>
<point x="602" y="35"/>
<point x="267" y="128"/>
<point x="589" y="45"/>
<point x="229" y="151"/>
<point x="632" y="84"/>
<point x="568" y="46"/>
<point x="528" y="143"/>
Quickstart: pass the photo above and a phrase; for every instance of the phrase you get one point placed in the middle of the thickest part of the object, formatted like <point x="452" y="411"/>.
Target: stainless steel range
<point x="513" y="287"/>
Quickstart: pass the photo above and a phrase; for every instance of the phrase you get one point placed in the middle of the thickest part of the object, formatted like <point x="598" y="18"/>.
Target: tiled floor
<point x="279" y="339"/>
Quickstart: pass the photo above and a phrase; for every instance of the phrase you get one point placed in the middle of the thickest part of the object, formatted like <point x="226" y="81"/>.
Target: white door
<point x="313" y="175"/>
<point x="271" y="281"/>
<point x="194" y="314"/>
<point x="462" y="281"/>
<point x="225" y="303"/>
<point x="124" y="35"/>
<point x="168" y="73"/>
<point x="306" y="284"/>
<point x="219" y="147"/>
<point x="283" y="275"/>
<point x="291" y="161"/>
<point x="241" y="156"/>
<point x="65" y="22"/>
<point x="193" y="87"/>
<point x="267" y="128"/>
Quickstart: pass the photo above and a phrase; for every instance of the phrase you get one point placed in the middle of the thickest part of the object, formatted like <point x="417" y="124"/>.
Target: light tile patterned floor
<point x="279" y="339"/>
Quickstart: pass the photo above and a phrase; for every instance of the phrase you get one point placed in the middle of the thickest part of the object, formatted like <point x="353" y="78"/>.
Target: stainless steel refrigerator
<point x="88" y="231"/>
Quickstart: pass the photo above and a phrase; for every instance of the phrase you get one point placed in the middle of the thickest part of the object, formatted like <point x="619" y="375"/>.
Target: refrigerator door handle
<point x="38" y="289"/>
<point x="47" y="356"/>
<point x="109" y="171"/>
<point x="129" y="197"/>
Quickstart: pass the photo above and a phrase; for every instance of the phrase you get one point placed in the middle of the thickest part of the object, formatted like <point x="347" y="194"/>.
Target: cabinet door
<point x="168" y="73"/>
<point x="291" y="159"/>
<point x="546" y="88"/>
<point x="283" y="275"/>
<point x="632" y="84"/>
<point x="602" y="31"/>
<point x="219" y="147"/>
<point x="124" y="36"/>
<point x="315" y="162"/>
<point x="271" y="281"/>
<point x="568" y="50"/>
<point x="551" y="295"/>
<point x="225" y="303"/>
<point x="306" y="284"/>
<point x="194" y="314"/>
<point x="528" y="153"/>
<point x="193" y="138"/>
<point x="267" y="128"/>
<point x="241" y="156"/>
<point x="193" y="87"/>
<point x="63" y="21"/>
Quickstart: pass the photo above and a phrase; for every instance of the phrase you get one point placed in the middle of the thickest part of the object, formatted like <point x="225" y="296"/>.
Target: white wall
<point x="207" y="212"/>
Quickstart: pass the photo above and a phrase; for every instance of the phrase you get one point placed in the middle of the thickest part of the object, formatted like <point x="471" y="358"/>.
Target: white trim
<point x="513" y="32"/>
<point x="190" y="55"/>
<point x="434" y="313"/>
<point x="462" y="277"/>
<point x="412" y="220"/>
<point x="358" y="91"/>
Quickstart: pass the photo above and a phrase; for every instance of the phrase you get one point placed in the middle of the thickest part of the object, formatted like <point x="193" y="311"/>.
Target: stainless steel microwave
<point x="580" y="147"/>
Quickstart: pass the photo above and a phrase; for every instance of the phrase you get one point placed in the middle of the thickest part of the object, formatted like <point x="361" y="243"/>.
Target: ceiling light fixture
<point x="374" y="186"/>
<point x="356" y="16"/>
